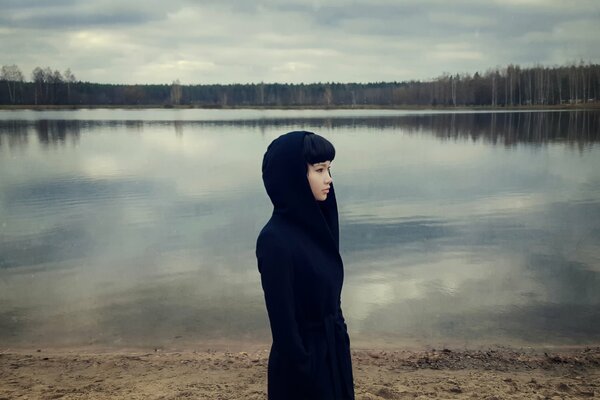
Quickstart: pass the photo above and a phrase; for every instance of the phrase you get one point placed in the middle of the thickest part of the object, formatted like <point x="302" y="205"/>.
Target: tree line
<point x="500" y="87"/>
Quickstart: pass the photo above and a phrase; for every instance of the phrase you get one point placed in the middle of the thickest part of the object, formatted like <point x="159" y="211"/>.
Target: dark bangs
<point x="317" y="149"/>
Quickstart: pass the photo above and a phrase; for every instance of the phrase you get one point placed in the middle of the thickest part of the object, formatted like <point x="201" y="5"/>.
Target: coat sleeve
<point x="339" y="310"/>
<point x="276" y="270"/>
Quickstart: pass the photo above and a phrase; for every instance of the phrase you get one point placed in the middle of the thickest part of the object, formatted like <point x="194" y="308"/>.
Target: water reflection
<point x="57" y="132"/>
<point x="506" y="128"/>
<point x="14" y="134"/>
<point x="485" y="279"/>
<point x="455" y="228"/>
<point x="511" y="128"/>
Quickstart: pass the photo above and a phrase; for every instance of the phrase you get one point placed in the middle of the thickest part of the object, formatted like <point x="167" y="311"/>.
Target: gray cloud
<point x="293" y="41"/>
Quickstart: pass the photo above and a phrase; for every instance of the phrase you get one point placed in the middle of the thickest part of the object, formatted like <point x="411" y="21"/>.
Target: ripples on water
<point x="138" y="227"/>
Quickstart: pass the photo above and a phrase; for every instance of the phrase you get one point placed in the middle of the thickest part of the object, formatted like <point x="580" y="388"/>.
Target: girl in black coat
<point x="302" y="273"/>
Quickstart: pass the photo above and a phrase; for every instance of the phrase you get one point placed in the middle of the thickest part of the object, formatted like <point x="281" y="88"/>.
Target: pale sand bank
<point x="495" y="373"/>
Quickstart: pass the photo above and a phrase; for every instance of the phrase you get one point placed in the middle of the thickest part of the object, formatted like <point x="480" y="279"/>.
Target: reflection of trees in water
<point x="53" y="132"/>
<point x="511" y="128"/>
<point x="49" y="132"/>
<point x="178" y="128"/>
<point x="131" y="126"/>
<point x="13" y="134"/>
<point x="508" y="128"/>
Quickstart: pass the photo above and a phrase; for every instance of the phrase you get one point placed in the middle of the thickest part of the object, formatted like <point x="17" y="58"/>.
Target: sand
<point x="494" y="373"/>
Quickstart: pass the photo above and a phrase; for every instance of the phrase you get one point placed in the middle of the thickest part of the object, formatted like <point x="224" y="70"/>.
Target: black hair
<point x="317" y="149"/>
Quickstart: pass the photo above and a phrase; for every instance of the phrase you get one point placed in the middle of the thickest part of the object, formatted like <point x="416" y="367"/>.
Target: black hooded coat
<point x="302" y="274"/>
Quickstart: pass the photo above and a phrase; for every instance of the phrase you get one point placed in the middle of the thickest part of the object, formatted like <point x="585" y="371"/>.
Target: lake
<point x="133" y="228"/>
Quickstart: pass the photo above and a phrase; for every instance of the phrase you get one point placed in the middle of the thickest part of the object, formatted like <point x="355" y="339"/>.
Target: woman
<point x="302" y="273"/>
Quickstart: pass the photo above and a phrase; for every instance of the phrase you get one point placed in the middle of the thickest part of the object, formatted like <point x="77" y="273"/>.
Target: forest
<point x="511" y="86"/>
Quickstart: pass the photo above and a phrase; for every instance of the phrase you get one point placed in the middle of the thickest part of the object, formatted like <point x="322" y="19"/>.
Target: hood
<point x="284" y="176"/>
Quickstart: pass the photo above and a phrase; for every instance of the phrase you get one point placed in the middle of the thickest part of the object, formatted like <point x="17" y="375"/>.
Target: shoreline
<point x="358" y="342"/>
<point x="566" y="107"/>
<point x="495" y="373"/>
<point x="568" y="353"/>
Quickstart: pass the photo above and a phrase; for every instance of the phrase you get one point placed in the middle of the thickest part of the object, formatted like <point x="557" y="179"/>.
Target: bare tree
<point x="574" y="83"/>
<point x="494" y="89"/>
<point x="57" y="76"/>
<point x="261" y="93"/>
<point x="454" y="81"/>
<point x="505" y="71"/>
<point x="56" y="80"/>
<point x="47" y="80"/>
<point x="176" y="92"/>
<point x="328" y="95"/>
<point x="559" y="84"/>
<point x="37" y="76"/>
<point x="13" y="76"/>
<point x="584" y="87"/>
<point x="69" y="79"/>
<point x="510" y="72"/>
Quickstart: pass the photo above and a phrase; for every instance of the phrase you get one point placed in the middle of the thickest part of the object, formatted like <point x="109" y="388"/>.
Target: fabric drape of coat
<point x="301" y="275"/>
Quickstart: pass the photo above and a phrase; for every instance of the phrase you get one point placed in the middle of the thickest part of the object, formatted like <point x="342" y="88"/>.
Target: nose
<point x="328" y="178"/>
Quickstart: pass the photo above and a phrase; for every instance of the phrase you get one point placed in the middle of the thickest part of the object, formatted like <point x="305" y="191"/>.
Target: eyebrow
<point x="321" y="163"/>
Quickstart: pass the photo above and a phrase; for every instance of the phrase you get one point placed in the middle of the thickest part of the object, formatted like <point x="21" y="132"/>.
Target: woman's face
<point x="319" y="179"/>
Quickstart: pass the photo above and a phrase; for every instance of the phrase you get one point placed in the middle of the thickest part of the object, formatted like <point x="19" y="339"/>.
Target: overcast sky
<point x="229" y="41"/>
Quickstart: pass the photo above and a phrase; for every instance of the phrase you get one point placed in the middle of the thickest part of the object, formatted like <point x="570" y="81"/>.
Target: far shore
<point x="580" y="106"/>
<point x="490" y="373"/>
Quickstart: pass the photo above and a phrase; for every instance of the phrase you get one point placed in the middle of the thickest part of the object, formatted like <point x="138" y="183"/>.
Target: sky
<point x="292" y="41"/>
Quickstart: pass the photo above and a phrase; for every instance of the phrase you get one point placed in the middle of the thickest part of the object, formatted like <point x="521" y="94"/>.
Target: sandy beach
<point x="493" y="373"/>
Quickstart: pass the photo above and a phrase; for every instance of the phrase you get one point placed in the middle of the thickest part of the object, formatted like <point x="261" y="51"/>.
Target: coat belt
<point x="335" y="334"/>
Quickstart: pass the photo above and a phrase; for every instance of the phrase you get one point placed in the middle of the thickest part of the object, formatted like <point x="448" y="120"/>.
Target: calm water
<point x="137" y="227"/>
